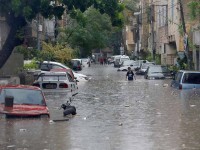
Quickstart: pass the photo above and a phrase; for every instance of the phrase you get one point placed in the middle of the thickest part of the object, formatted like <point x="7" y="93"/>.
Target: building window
<point x="172" y="10"/>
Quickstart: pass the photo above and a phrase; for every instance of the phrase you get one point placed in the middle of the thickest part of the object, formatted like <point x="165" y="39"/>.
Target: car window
<point x="52" y="78"/>
<point x="70" y="78"/>
<point x="191" y="78"/>
<point x="46" y="67"/>
<point x="155" y="70"/>
<point x="1" y="96"/>
<point x="178" y="76"/>
<point x="57" y="67"/>
<point x="26" y="96"/>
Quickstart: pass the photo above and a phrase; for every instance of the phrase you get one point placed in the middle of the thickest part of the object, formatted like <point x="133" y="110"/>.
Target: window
<point x="191" y="78"/>
<point x="178" y="77"/>
<point x="172" y="10"/>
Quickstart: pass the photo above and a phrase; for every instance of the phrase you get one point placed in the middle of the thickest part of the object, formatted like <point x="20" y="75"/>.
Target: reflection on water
<point x="113" y="114"/>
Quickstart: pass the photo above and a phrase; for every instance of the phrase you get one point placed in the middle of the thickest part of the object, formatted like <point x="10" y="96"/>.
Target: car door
<point x="72" y="85"/>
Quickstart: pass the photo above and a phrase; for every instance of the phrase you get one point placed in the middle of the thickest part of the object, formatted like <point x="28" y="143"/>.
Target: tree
<point x="18" y="12"/>
<point x="194" y="9"/>
<point x="90" y="30"/>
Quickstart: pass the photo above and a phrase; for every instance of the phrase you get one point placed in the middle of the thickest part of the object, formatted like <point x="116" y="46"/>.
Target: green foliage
<point x="32" y="65"/>
<point x="194" y="9"/>
<point x="90" y="30"/>
<point x="60" y="53"/>
<point x="28" y="53"/>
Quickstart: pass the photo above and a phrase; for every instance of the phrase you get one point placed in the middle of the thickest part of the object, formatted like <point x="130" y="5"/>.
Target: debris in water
<point x="156" y="84"/>
<point x="192" y="105"/>
<point x="127" y="105"/>
<point x="84" y="118"/>
<point x="22" y="130"/>
<point x="51" y="121"/>
<point x="165" y="85"/>
<point x="120" y="124"/>
<point x="10" y="146"/>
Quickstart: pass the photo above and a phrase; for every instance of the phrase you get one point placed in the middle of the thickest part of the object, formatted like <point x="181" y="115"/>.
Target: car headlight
<point x="2" y="116"/>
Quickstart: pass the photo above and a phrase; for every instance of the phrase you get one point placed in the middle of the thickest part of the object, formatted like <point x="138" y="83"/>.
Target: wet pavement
<point x="112" y="114"/>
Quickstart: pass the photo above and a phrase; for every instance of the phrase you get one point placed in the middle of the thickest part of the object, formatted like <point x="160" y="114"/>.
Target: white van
<point x="123" y="58"/>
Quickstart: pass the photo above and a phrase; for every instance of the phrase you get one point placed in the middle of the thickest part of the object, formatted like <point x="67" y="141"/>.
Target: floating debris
<point x="165" y="85"/>
<point x="22" y="130"/>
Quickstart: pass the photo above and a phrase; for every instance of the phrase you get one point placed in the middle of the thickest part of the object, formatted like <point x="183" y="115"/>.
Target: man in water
<point x="130" y="74"/>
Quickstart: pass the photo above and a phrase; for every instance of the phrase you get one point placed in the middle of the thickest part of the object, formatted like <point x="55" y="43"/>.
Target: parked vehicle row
<point x="29" y="101"/>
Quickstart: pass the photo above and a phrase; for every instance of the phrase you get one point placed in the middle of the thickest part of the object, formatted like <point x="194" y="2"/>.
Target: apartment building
<point x="164" y="35"/>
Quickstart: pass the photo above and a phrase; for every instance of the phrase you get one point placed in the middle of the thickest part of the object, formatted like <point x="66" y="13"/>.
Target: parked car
<point x="76" y="64"/>
<point x="155" y="72"/>
<point x="128" y="63"/>
<point x="59" y="81"/>
<point x="123" y="58"/>
<point x="118" y="60"/>
<point x="22" y="101"/>
<point x="51" y="66"/>
<point x="143" y="68"/>
<point x="186" y="80"/>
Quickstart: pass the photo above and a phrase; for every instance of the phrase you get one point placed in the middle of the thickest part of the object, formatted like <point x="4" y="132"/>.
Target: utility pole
<point x="185" y="33"/>
<point x="152" y="32"/>
<point x="38" y="32"/>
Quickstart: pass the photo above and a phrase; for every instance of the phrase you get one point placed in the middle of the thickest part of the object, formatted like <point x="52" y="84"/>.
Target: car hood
<point x="24" y="110"/>
<point x="156" y="75"/>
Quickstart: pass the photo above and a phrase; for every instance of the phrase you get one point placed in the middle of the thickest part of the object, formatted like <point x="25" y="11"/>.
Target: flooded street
<point x="112" y="114"/>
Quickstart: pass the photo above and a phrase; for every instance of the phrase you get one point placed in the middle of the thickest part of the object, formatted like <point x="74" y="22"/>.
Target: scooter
<point x="68" y="109"/>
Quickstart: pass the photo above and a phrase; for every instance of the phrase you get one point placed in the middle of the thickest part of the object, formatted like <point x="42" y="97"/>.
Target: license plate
<point x="49" y="86"/>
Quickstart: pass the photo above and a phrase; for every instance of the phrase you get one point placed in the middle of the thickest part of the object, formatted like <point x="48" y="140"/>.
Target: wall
<point x="13" y="65"/>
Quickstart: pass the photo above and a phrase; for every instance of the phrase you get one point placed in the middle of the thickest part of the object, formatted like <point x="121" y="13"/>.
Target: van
<point x="186" y="80"/>
<point x="122" y="59"/>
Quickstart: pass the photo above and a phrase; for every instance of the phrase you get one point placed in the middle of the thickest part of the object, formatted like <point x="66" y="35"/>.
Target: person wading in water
<point x="130" y="74"/>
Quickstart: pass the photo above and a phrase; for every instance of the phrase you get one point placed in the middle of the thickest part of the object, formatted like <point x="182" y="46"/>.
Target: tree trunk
<point x="15" y="24"/>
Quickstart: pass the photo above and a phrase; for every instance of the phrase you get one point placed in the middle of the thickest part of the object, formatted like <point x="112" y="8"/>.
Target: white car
<point x="80" y="77"/>
<point x="128" y="63"/>
<point x="51" y="65"/>
<point x="59" y="81"/>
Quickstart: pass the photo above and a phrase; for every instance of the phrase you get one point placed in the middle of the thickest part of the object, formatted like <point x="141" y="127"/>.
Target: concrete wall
<point x="4" y="29"/>
<point x="13" y="65"/>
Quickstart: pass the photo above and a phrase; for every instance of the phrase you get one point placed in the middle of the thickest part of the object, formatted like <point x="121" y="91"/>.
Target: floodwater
<point x="112" y="114"/>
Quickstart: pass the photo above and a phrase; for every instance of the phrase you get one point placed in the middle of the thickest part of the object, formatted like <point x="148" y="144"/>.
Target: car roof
<point x="54" y="73"/>
<point x="19" y="87"/>
<point x="53" y="62"/>
<point x="189" y="71"/>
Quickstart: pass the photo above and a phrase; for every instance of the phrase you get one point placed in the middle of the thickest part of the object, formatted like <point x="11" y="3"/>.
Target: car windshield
<point x="155" y="69"/>
<point x="124" y="59"/>
<point x="52" y="78"/>
<point x="23" y="96"/>
<point x="128" y="62"/>
<point x="146" y="65"/>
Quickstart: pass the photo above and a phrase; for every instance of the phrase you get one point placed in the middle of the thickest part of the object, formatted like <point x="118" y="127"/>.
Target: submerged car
<point x="76" y="64"/>
<point x="51" y="66"/>
<point x="59" y="81"/>
<point x="126" y="64"/>
<point x="186" y="80"/>
<point x="155" y="72"/>
<point x="22" y="101"/>
<point x="143" y="68"/>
